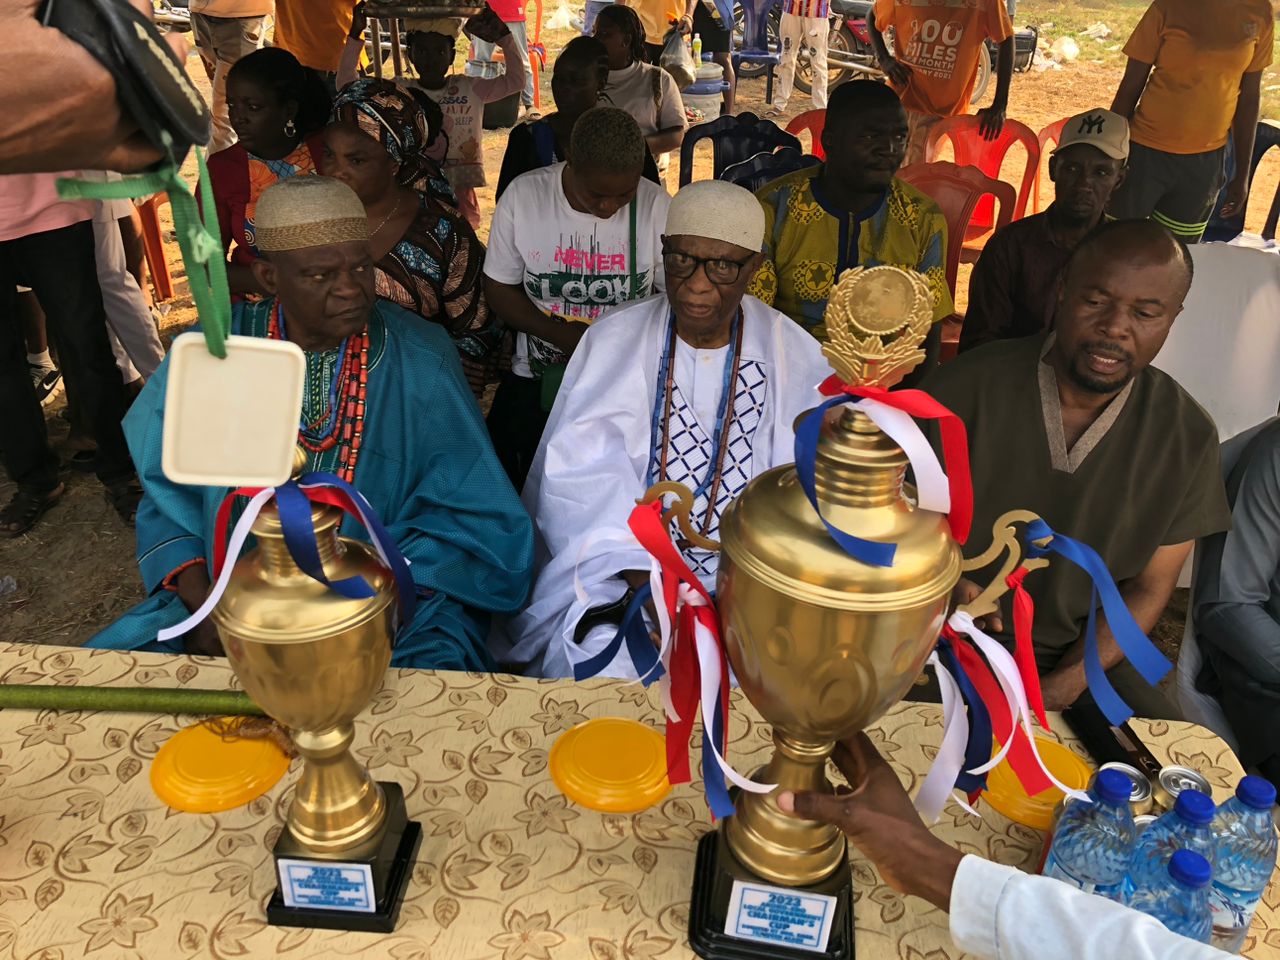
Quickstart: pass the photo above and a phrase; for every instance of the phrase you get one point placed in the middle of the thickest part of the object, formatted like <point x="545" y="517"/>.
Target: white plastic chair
<point x="1196" y="706"/>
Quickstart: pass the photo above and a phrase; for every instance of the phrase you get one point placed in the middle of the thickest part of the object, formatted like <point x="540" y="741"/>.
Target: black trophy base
<point x="390" y="861"/>
<point x="713" y="877"/>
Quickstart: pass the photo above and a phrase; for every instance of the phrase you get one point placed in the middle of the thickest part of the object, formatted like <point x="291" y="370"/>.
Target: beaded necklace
<point x="333" y="437"/>
<point x="660" y="429"/>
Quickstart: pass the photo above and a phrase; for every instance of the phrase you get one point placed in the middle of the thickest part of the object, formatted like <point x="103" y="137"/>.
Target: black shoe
<point x="48" y="383"/>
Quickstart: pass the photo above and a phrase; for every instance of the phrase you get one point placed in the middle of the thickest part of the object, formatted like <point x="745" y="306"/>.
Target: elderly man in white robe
<point x="700" y="385"/>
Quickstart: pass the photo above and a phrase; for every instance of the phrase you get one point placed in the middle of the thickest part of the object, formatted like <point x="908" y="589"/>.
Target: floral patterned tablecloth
<point x="93" y="864"/>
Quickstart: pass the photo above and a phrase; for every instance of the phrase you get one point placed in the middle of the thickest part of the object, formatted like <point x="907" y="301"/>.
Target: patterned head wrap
<point x="392" y="117"/>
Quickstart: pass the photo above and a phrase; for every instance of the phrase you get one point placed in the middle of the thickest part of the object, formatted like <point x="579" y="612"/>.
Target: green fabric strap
<point x="127" y="700"/>
<point x="198" y="237"/>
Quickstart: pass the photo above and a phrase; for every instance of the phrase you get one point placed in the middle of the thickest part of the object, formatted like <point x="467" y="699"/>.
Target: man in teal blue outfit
<point x="386" y="406"/>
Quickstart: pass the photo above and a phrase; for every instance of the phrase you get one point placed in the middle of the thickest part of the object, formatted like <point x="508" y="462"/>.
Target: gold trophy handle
<point x="681" y="509"/>
<point x="1004" y="538"/>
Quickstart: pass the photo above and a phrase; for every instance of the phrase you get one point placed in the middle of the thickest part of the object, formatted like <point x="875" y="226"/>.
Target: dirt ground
<point x="75" y="571"/>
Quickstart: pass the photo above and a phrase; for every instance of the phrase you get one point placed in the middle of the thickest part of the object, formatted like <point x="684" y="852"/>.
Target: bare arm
<point x="1146" y="596"/>
<point x="991" y="119"/>
<point x="489" y="89"/>
<point x="895" y="69"/>
<point x="58" y="105"/>
<point x="1244" y="130"/>
<point x="665" y="140"/>
<point x="518" y="312"/>
<point x="1131" y="87"/>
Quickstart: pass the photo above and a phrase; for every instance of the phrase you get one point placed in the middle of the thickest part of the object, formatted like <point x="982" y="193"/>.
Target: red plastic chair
<point x="987" y="155"/>
<point x="153" y="246"/>
<point x="813" y="121"/>
<point x="958" y="191"/>
<point x="1050" y="137"/>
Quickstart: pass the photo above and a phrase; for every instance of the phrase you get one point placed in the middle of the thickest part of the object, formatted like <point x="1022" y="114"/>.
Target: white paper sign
<point x="232" y="422"/>
<point x="331" y="886"/>
<point x="780" y="916"/>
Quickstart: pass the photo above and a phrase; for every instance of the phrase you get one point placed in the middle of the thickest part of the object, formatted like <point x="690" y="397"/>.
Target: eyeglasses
<point x="718" y="270"/>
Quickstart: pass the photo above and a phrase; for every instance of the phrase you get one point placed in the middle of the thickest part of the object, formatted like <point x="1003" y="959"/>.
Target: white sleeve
<point x="503" y="261"/>
<point x="1001" y="912"/>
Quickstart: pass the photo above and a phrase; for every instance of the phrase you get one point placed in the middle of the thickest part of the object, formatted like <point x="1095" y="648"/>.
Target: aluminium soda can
<point x="1141" y="791"/>
<point x="1172" y="780"/>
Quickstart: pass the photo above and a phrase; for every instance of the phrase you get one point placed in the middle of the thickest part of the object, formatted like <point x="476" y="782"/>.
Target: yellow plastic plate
<point x="611" y="765"/>
<point x="198" y="771"/>
<point x="1005" y="793"/>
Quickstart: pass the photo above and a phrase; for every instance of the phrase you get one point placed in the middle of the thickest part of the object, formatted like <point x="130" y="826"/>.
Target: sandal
<point x="25" y="508"/>
<point x="124" y="497"/>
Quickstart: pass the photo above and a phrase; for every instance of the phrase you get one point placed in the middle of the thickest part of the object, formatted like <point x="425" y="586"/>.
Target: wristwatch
<point x="151" y="83"/>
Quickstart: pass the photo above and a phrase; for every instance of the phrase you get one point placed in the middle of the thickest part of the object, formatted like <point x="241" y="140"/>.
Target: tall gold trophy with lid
<point x="821" y="643"/>
<point x="312" y="659"/>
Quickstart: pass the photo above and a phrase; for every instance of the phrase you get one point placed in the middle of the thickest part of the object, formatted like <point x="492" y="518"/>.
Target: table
<point x="93" y="864"/>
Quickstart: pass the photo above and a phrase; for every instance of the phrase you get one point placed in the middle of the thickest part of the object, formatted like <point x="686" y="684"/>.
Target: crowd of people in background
<point x="352" y="201"/>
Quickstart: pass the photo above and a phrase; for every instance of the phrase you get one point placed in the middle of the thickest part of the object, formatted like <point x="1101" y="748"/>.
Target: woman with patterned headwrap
<point x="429" y="259"/>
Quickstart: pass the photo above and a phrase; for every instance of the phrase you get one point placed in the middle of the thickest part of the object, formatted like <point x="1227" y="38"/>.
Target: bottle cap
<point x="1113" y="786"/>
<point x="1257" y="793"/>
<point x="1191" y="869"/>
<point x="611" y="765"/>
<point x="1194" y="807"/>
<point x="200" y="771"/>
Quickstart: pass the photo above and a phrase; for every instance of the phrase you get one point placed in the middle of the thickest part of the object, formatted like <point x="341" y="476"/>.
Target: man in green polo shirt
<point x="1077" y="426"/>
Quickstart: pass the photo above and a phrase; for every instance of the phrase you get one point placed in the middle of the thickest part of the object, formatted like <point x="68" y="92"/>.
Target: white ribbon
<point x="1010" y="679"/>
<point x="238" y="537"/>
<point x="932" y="488"/>
<point x="941" y="779"/>
<point x="709" y="668"/>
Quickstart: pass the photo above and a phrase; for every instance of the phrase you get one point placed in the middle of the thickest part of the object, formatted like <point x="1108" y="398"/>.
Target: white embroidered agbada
<point x="597" y="457"/>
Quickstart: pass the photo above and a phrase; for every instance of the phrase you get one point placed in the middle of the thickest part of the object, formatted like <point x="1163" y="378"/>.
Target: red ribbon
<point x="1024" y="612"/>
<point x="955" y="441"/>
<point x="1021" y="756"/>
<point x="646" y="523"/>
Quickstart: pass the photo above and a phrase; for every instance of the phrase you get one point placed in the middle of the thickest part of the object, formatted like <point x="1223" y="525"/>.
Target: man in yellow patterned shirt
<point x="850" y="211"/>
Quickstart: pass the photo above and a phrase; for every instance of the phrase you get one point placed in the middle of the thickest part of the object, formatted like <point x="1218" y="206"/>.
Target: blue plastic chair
<point x="733" y="139"/>
<point x="763" y="168"/>
<point x="755" y="41"/>
<point x="1223" y="229"/>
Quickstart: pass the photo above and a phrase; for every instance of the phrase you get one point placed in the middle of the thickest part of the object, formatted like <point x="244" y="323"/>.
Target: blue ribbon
<point x="632" y="629"/>
<point x="712" y="776"/>
<point x="1134" y="644"/>
<point x="807" y="434"/>
<point x="300" y="539"/>
<point x="405" y="587"/>
<point x="977" y="749"/>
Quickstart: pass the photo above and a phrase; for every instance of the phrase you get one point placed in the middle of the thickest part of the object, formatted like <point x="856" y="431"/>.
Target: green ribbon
<point x="198" y="237"/>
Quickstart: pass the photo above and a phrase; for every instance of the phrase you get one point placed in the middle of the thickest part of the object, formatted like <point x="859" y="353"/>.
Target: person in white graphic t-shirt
<point x="567" y="243"/>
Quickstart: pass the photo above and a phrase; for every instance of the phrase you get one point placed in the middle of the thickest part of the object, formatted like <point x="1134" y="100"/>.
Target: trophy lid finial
<point x="876" y="320"/>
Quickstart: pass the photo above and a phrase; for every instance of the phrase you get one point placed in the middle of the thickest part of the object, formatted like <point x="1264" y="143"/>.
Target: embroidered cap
<point x="718" y="211"/>
<point x="308" y="212"/>
<point x="1101" y="129"/>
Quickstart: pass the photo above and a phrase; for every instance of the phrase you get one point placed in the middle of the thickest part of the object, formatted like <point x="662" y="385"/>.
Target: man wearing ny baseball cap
<point x="1013" y="289"/>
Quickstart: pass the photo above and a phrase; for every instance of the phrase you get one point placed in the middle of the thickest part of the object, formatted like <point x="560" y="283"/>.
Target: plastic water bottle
<point x="1185" y="827"/>
<point x="1180" y="898"/>
<point x="1093" y="841"/>
<point x="697" y="49"/>
<point x="1246" y="849"/>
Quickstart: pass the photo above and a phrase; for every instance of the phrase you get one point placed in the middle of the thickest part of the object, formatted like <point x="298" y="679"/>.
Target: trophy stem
<point x="337" y="806"/>
<point x="775" y="845"/>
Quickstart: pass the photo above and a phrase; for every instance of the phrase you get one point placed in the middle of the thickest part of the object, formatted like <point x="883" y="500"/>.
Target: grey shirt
<point x="1237" y="600"/>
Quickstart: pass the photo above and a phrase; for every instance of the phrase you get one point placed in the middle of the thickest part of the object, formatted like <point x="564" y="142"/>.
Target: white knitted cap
<point x="718" y="211"/>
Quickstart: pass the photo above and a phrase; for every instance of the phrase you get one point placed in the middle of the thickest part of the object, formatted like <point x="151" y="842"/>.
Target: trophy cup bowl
<point x="312" y="659"/>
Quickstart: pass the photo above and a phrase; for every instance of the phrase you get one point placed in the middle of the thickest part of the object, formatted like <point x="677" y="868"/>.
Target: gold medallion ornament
<point x="876" y="320"/>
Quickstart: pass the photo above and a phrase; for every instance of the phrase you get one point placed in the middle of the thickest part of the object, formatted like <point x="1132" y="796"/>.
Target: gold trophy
<point x="821" y="644"/>
<point x="312" y="659"/>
